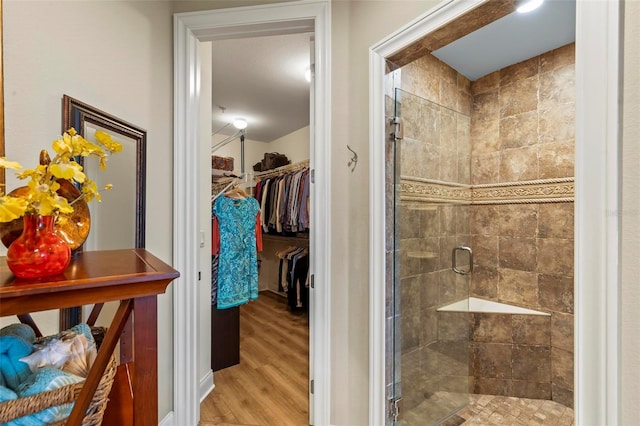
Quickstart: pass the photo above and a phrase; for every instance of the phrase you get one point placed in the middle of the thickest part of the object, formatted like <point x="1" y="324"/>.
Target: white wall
<point x="253" y="152"/>
<point x="630" y="291"/>
<point x="295" y="145"/>
<point x="204" y="209"/>
<point x="356" y="25"/>
<point x="115" y="56"/>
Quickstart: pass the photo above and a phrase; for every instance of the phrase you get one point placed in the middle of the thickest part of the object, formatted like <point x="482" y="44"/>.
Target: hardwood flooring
<point x="270" y="386"/>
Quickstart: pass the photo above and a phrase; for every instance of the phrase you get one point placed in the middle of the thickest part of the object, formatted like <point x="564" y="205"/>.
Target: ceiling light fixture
<point x="527" y="6"/>
<point x="240" y="123"/>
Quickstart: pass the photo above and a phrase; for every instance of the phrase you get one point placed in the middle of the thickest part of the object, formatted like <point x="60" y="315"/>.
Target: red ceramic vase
<point x="38" y="251"/>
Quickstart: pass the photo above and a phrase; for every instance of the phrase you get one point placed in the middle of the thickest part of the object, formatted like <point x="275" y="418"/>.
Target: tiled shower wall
<point x="436" y="145"/>
<point x="522" y="128"/>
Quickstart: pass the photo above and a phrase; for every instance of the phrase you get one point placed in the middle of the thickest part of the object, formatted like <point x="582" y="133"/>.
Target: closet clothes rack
<point x="289" y="168"/>
<point x="283" y="195"/>
<point x="293" y="276"/>
<point x="222" y="185"/>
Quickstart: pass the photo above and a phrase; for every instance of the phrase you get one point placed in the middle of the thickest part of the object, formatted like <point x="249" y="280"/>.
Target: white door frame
<point x="189" y="30"/>
<point x="596" y="207"/>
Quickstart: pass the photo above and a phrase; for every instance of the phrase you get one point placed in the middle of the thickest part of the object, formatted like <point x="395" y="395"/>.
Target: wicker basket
<point x="15" y="408"/>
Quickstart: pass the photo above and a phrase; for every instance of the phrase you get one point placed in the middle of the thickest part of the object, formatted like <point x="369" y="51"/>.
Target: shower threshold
<point x="498" y="410"/>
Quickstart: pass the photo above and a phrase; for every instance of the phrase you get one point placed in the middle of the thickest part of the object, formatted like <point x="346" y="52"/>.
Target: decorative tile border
<point x="416" y="189"/>
<point x="527" y="192"/>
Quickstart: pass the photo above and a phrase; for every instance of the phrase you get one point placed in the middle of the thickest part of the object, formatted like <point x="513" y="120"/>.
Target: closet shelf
<point x="422" y="255"/>
<point x="281" y="170"/>
<point x="285" y="237"/>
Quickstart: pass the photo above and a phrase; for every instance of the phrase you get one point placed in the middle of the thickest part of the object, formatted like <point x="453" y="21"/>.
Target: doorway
<point x="596" y="195"/>
<point x="190" y="29"/>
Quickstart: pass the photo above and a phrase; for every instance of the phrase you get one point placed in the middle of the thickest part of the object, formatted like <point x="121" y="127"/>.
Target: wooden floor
<point x="270" y="386"/>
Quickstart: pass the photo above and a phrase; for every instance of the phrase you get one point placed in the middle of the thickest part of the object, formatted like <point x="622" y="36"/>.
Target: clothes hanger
<point x="236" y="194"/>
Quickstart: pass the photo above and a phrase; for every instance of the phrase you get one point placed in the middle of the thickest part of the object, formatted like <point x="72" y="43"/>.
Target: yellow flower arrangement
<point x="41" y="196"/>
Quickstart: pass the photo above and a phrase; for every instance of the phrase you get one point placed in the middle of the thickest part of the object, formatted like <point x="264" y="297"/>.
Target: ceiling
<point x="262" y="80"/>
<point x="511" y="39"/>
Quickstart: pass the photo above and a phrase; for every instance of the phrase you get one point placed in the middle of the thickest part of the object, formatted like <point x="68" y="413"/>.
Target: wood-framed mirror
<point x="118" y="221"/>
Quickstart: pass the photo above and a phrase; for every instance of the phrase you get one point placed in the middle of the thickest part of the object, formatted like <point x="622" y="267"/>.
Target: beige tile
<point x="485" y="84"/>
<point x="557" y="160"/>
<point x="448" y="165"/>
<point x="557" y="87"/>
<point x="531" y="330"/>
<point x="518" y="164"/>
<point x="417" y="78"/>
<point x="463" y="134"/>
<point x="485" y="136"/>
<point x="464" y="169"/>
<point x="453" y="326"/>
<point x="532" y="363"/>
<point x="463" y="219"/>
<point x="410" y="162"/>
<point x="518" y="253"/>
<point x="448" y="129"/>
<point x="426" y="160"/>
<point x="485" y="250"/>
<point x="483" y="220"/>
<point x="555" y="220"/>
<point x="428" y="284"/>
<point x="562" y="368"/>
<point x="555" y="256"/>
<point x="557" y="58"/>
<point x="464" y="84"/>
<point x="519" y="97"/>
<point x="410" y="313"/>
<point x="490" y="360"/>
<point x="562" y="331"/>
<point x="409" y="223"/>
<point x="465" y="103"/>
<point x="485" y="168"/>
<point x="486" y="107"/>
<point x="448" y="94"/>
<point x="519" y="130"/>
<point x="556" y="293"/>
<point x="557" y="123"/>
<point x="491" y="386"/>
<point x="489" y="327"/>
<point x="565" y="397"/>
<point x="518" y="220"/>
<point x="520" y="71"/>
<point x="518" y="287"/>
<point x="530" y="389"/>
<point x="484" y="283"/>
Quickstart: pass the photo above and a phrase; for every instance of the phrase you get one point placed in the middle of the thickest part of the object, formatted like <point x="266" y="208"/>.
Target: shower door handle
<point x="454" y="260"/>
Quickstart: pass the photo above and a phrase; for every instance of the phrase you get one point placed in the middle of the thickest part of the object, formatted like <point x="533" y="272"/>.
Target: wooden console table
<point x="135" y="278"/>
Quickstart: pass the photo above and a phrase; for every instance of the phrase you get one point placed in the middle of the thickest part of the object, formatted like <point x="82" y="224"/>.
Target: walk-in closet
<point x="260" y="222"/>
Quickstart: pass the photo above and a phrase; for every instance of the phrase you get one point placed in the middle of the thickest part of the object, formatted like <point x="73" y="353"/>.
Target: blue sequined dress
<point x="238" y="264"/>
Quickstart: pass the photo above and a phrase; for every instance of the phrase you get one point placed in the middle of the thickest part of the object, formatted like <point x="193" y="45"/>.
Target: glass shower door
<point x="431" y="222"/>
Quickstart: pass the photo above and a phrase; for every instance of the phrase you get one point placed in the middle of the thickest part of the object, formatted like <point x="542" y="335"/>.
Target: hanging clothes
<point x="293" y="276"/>
<point x="236" y="237"/>
<point x="284" y="202"/>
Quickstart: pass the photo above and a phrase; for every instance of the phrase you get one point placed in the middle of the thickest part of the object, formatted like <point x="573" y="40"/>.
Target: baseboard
<point x="206" y="385"/>
<point x="168" y="420"/>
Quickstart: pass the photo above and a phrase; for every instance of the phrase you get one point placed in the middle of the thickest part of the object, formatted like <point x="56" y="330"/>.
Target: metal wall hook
<point x="354" y="159"/>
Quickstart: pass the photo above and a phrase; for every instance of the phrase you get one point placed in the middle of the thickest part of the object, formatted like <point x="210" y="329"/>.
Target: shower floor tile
<point x="487" y="410"/>
<point x="502" y="410"/>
